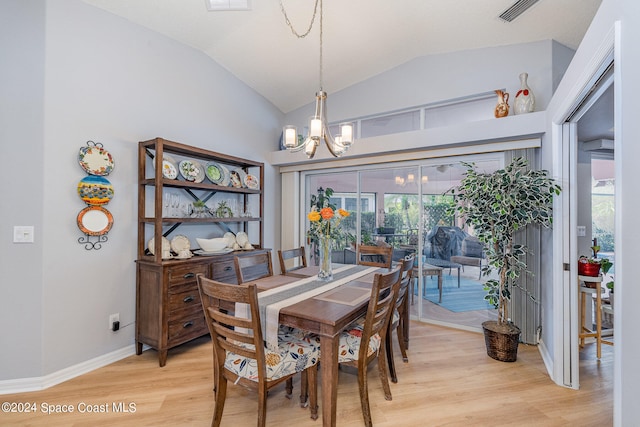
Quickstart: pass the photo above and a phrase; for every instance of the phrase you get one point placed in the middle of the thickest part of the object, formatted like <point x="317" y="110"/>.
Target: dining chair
<point x="361" y="343"/>
<point x="253" y="266"/>
<point x="375" y="256"/>
<point x="399" y="321"/>
<point x="296" y="254"/>
<point x="240" y="354"/>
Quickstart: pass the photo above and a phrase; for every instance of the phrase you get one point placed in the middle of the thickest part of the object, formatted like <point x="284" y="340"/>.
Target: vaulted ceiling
<point x="362" y="38"/>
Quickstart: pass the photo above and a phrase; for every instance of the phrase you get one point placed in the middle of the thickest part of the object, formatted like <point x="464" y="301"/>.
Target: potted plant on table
<point x="591" y="266"/>
<point x="497" y="205"/>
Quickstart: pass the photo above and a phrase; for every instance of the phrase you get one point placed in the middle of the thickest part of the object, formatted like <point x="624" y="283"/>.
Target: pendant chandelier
<point x="318" y="124"/>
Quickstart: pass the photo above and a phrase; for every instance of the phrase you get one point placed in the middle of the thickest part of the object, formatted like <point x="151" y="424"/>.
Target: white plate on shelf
<point x="191" y="170"/>
<point x="180" y="243"/>
<point x="200" y="252"/>
<point x="227" y="176"/>
<point x="252" y="182"/>
<point x="166" y="245"/>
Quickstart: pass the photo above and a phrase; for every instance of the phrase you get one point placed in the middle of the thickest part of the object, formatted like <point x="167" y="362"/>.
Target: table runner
<point x="272" y="300"/>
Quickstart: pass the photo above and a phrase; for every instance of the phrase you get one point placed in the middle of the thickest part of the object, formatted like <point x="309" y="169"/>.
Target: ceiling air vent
<point x="516" y="9"/>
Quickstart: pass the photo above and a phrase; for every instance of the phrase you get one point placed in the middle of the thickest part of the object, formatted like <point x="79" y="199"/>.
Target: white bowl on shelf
<point x="212" y="245"/>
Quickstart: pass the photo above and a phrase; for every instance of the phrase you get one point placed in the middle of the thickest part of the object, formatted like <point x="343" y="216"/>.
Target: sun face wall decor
<point x="96" y="191"/>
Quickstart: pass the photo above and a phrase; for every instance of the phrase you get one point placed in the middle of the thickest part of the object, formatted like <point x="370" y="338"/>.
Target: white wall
<point x="626" y="15"/>
<point x="21" y="179"/>
<point x="97" y="77"/>
<point x="442" y="77"/>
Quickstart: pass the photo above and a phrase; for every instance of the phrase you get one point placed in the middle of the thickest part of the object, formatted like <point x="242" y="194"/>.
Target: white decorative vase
<point x="525" y="101"/>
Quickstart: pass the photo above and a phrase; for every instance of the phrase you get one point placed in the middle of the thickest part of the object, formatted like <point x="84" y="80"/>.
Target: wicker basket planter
<point x="501" y="340"/>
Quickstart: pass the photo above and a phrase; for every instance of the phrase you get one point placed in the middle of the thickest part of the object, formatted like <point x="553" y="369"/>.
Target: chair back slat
<point x="297" y="254"/>
<point x="375" y="256"/>
<point x="252" y="267"/>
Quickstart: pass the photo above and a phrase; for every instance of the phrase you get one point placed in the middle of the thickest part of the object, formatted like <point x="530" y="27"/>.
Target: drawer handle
<point x="189" y="275"/>
<point x="227" y="268"/>
<point x="187" y="324"/>
<point x="188" y="299"/>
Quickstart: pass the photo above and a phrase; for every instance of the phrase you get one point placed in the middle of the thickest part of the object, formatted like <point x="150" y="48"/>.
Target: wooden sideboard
<point x="168" y="307"/>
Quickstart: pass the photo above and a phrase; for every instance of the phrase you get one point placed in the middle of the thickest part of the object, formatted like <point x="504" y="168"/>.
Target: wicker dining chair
<point x="240" y="355"/>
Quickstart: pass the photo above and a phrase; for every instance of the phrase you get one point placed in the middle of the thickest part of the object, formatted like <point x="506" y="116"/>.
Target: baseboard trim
<point x="546" y="357"/>
<point x="23" y="385"/>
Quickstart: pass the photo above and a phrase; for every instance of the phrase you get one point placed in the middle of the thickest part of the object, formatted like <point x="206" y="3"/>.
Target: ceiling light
<point x="220" y="5"/>
<point x="318" y="124"/>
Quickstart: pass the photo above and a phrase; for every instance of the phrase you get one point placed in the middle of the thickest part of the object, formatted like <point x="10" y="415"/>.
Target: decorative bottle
<point x="502" y="108"/>
<point x="525" y="101"/>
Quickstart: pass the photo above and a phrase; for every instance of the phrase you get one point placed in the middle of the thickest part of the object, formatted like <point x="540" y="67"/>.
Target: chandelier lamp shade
<point x="318" y="123"/>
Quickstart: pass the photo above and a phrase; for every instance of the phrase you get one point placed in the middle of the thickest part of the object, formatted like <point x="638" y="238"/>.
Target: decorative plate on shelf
<point x="252" y="182"/>
<point x="95" y="220"/>
<point x="214" y="172"/>
<point x="95" y="190"/>
<point x="200" y="252"/>
<point x="191" y="170"/>
<point x="180" y="243"/>
<point x="226" y="180"/>
<point x="236" y="179"/>
<point x="95" y="160"/>
<point x="169" y="167"/>
<point x="166" y="245"/>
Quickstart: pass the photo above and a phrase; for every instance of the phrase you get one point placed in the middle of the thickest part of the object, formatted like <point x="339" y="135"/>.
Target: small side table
<point x="427" y="270"/>
<point x="588" y="332"/>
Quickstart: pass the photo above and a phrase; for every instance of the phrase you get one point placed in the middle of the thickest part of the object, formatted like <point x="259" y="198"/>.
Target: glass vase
<point x="324" y="256"/>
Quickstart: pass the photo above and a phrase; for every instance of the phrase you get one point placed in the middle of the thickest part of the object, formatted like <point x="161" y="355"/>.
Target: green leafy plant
<point x="497" y="205"/>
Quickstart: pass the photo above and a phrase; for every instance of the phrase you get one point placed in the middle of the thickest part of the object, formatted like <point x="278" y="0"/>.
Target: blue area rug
<point x="468" y="297"/>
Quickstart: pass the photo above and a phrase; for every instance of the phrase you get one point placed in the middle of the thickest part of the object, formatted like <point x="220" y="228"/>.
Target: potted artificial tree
<point x="496" y="206"/>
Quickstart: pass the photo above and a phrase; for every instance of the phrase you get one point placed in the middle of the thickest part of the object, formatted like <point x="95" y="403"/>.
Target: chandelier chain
<point x="306" y="33"/>
<point x="290" y="25"/>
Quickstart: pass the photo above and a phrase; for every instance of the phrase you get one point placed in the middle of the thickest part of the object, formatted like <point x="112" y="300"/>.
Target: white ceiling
<point x="362" y="38"/>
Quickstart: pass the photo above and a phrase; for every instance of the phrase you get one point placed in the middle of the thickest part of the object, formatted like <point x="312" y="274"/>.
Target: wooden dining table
<point x="326" y="315"/>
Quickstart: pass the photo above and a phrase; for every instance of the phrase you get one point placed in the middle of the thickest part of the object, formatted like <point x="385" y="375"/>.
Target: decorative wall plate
<point x="95" y="220"/>
<point x="95" y="190"/>
<point x="95" y="160"/>
<point x="191" y="170"/>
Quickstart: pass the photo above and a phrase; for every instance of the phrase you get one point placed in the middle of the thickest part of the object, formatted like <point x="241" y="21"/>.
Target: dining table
<point x="324" y="308"/>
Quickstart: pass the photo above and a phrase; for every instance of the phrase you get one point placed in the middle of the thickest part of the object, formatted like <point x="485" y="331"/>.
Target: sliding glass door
<point x="406" y="205"/>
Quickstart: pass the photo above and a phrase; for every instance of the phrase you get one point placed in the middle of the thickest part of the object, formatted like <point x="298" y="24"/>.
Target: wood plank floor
<point x="449" y="380"/>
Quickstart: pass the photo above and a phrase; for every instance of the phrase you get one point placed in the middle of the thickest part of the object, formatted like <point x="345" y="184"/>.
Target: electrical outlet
<point x="113" y="318"/>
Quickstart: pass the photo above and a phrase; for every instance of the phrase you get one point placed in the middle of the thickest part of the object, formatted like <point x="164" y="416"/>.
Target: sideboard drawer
<point x="224" y="271"/>
<point x="186" y="328"/>
<point x="185" y="273"/>
<point x="187" y="299"/>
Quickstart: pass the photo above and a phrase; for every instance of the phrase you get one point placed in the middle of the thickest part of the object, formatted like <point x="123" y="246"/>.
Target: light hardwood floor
<point x="449" y="380"/>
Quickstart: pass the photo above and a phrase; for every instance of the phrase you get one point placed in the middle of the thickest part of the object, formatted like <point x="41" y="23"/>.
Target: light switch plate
<point x="23" y="233"/>
<point x="582" y="231"/>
